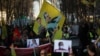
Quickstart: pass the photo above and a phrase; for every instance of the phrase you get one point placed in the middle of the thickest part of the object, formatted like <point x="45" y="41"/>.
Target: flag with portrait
<point x="51" y="18"/>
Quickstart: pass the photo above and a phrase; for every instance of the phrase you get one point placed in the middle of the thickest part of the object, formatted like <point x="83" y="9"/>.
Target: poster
<point x="32" y="43"/>
<point x="62" y="45"/>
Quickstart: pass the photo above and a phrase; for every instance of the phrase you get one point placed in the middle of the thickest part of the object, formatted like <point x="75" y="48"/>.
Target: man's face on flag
<point x="47" y="17"/>
<point x="39" y="20"/>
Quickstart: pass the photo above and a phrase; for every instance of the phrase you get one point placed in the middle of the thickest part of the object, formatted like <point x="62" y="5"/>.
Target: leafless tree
<point x="15" y="8"/>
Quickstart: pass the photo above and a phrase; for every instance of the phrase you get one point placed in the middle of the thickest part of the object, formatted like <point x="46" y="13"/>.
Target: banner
<point x="27" y="51"/>
<point x="50" y="18"/>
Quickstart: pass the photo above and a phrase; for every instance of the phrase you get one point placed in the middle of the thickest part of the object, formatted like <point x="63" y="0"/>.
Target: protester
<point x="72" y="52"/>
<point x="44" y="40"/>
<point x="91" y="50"/>
<point x="75" y="29"/>
<point x="16" y="33"/>
<point x="19" y="35"/>
<point x="32" y="35"/>
<point x="43" y="53"/>
<point x="24" y="40"/>
<point x="7" y="52"/>
<point x="83" y="34"/>
<point x="65" y="34"/>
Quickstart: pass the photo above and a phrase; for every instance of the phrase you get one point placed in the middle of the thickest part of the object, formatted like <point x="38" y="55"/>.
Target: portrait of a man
<point x="32" y="43"/>
<point x="62" y="45"/>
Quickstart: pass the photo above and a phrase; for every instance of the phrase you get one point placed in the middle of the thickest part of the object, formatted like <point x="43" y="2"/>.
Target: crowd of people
<point x="85" y="31"/>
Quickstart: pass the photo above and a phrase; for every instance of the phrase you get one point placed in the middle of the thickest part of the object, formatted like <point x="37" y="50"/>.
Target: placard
<point x="62" y="45"/>
<point x="32" y="43"/>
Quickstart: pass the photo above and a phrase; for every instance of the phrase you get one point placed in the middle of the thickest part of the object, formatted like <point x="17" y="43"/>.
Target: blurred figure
<point x="16" y="37"/>
<point x="7" y="52"/>
<point x="43" y="53"/>
<point x="42" y="32"/>
<point x="83" y="35"/>
<point x="65" y="34"/>
<point x="36" y="52"/>
<point x="24" y="40"/>
<point x="16" y="33"/>
<point x="97" y="42"/>
<point x="17" y="42"/>
<point x="91" y="50"/>
<point x="72" y="52"/>
<point x="75" y="29"/>
<point x="44" y="40"/>
<point x="32" y="35"/>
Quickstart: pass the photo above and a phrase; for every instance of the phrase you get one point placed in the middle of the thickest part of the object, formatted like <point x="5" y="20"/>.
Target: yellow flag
<point x="49" y="12"/>
<point x="88" y="3"/>
<point x="51" y="18"/>
<point x="85" y="2"/>
<point x="58" y="35"/>
<point x="98" y="31"/>
<point x="47" y="34"/>
<point x="13" y="53"/>
<point x="4" y="29"/>
<point x="36" y="27"/>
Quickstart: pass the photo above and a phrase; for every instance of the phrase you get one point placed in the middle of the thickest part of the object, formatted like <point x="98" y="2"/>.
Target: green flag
<point x="4" y="30"/>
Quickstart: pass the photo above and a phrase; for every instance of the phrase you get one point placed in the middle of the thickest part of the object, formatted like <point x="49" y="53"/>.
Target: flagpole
<point x="62" y="54"/>
<point x="34" y="52"/>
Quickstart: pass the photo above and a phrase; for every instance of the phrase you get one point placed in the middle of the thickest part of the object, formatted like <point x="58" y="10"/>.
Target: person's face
<point x="34" y="41"/>
<point x="31" y="33"/>
<point x="71" y="55"/>
<point x="7" y="52"/>
<point x="90" y="53"/>
<point x="25" y="31"/>
<point x="25" y="37"/>
<point x="61" y="44"/>
<point x="46" y="15"/>
<point x="42" y="53"/>
<point x="39" y="21"/>
<point x="71" y="52"/>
